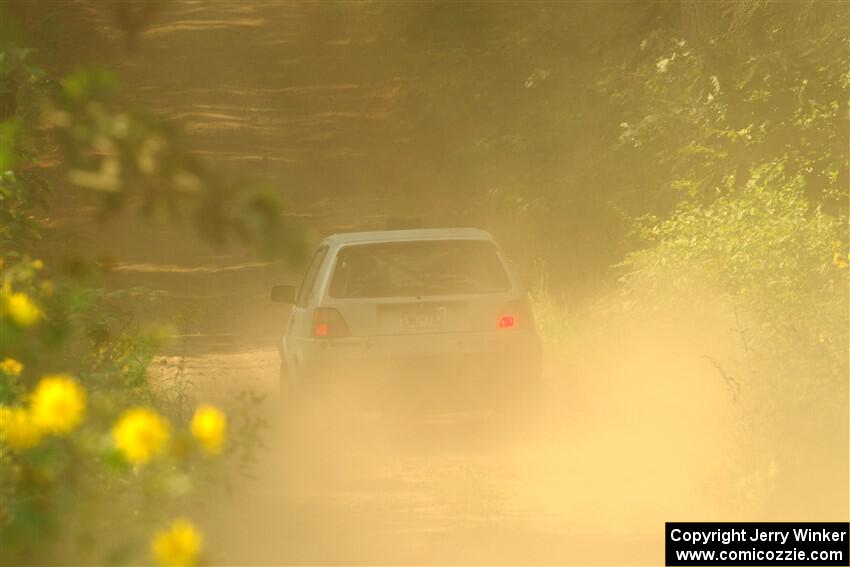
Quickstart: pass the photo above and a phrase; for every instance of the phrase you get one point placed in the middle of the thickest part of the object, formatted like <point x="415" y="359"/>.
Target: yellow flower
<point x="209" y="426"/>
<point x="140" y="434"/>
<point x="38" y="264"/>
<point x="22" y="310"/>
<point x="11" y="367"/>
<point x="58" y="404"/>
<point x="17" y="428"/>
<point x="178" y="546"/>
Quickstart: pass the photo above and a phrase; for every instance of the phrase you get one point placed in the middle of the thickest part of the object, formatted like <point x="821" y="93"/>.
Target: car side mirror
<point x="283" y="294"/>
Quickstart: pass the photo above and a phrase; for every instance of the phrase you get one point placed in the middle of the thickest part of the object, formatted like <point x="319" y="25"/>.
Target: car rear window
<point x="422" y="268"/>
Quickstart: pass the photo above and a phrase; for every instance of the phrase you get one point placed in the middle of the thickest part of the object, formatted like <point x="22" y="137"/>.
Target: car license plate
<point x="424" y="319"/>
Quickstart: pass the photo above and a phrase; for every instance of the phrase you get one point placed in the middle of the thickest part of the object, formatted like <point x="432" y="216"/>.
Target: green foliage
<point x="738" y="144"/>
<point x="747" y="135"/>
<point x="783" y="260"/>
<point x="124" y="155"/>
<point x="74" y="359"/>
<point x="22" y="190"/>
<point x="8" y="131"/>
<point x="65" y="493"/>
<point x="704" y="110"/>
<point x="552" y="315"/>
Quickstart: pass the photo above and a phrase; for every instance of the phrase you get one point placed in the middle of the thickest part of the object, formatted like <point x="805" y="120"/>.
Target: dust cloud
<point x="641" y="421"/>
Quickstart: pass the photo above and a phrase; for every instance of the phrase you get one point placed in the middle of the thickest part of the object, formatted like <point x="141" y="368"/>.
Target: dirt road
<point x="347" y="486"/>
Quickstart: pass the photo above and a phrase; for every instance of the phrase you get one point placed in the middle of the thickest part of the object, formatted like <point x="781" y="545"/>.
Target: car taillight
<point x="329" y="324"/>
<point x="515" y="315"/>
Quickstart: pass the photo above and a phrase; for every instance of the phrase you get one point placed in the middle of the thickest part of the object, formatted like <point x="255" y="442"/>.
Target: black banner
<point x="757" y="543"/>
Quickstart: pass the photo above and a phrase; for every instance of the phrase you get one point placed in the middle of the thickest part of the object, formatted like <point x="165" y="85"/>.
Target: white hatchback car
<point x="400" y="302"/>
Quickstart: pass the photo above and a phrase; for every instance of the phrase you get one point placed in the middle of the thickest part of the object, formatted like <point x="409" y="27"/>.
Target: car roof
<point x="344" y="238"/>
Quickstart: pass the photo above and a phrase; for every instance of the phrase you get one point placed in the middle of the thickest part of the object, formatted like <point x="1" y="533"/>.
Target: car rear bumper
<point x="485" y="354"/>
